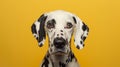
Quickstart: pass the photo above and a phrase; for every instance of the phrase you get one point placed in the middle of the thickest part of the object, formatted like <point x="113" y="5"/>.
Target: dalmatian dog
<point x="59" y="26"/>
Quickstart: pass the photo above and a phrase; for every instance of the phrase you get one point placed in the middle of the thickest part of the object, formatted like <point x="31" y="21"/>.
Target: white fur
<point x="61" y="18"/>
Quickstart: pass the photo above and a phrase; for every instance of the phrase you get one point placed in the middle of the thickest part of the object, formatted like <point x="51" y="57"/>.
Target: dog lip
<point x="59" y="52"/>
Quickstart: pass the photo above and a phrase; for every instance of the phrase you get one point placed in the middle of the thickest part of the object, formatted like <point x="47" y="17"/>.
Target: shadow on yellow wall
<point x="18" y="47"/>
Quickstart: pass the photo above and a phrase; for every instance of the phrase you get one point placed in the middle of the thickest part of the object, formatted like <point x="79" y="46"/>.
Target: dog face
<point x="59" y="26"/>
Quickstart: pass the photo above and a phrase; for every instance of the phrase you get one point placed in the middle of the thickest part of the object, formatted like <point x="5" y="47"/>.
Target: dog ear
<point x="80" y="32"/>
<point x="38" y="30"/>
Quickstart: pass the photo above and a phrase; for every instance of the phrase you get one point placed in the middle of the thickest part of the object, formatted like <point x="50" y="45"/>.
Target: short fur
<point x="60" y="25"/>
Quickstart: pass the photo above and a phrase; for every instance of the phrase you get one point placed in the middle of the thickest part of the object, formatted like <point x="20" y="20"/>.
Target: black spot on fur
<point x="68" y="60"/>
<point x="84" y="27"/>
<point x="33" y="29"/>
<point x="57" y="34"/>
<point x="87" y="29"/>
<point x="77" y="47"/>
<point x="53" y="21"/>
<point x="61" y="64"/>
<point x="51" y="45"/>
<point x="51" y="24"/>
<point x="84" y="38"/>
<point x="81" y="42"/>
<point x="42" y="30"/>
<point x="74" y="20"/>
<point x="50" y="50"/>
<point x="61" y="33"/>
<point x="61" y="30"/>
<point x="83" y="45"/>
<point x="41" y="45"/>
<point x="37" y="38"/>
<point x="87" y="33"/>
<point x="70" y="57"/>
<point x="48" y="55"/>
<point x="45" y="63"/>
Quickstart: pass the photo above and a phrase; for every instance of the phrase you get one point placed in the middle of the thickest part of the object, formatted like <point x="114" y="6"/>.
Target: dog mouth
<point x="59" y="52"/>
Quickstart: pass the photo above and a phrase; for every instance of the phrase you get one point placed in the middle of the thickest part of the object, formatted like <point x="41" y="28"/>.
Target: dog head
<point x="60" y="26"/>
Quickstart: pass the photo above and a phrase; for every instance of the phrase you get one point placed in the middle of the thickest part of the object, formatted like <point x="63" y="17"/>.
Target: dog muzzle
<point x="59" y="44"/>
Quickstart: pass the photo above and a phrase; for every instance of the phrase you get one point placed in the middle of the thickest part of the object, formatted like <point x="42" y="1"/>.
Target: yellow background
<point x="18" y="47"/>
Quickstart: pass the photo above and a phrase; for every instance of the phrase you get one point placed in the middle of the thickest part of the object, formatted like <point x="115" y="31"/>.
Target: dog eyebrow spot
<point x="52" y="21"/>
<point x="74" y="20"/>
<point x="51" y="24"/>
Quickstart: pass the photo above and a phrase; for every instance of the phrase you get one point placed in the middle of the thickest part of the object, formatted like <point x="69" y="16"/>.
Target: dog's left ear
<point x="80" y="32"/>
<point x="38" y="30"/>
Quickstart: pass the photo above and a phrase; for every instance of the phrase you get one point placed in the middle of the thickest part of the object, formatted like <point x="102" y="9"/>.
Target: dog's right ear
<point x="38" y="30"/>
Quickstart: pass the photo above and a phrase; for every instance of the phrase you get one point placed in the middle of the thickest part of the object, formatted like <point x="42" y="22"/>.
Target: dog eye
<point x="69" y="25"/>
<point x="50" y="25"/>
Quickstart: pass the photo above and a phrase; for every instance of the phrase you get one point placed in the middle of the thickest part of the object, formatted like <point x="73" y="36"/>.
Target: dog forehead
<point x="60" y="17"/>
<point x="59" y="12"/>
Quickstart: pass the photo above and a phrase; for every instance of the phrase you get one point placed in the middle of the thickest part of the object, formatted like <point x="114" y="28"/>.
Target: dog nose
<point x="59" y="42"/>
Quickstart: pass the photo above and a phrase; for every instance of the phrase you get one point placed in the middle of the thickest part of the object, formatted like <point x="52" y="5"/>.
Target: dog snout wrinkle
<point x="59" y="42"/>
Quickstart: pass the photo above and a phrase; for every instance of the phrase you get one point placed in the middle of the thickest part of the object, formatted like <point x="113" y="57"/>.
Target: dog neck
<point x="61" y="60"/>
<point x="58" y="60"/>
